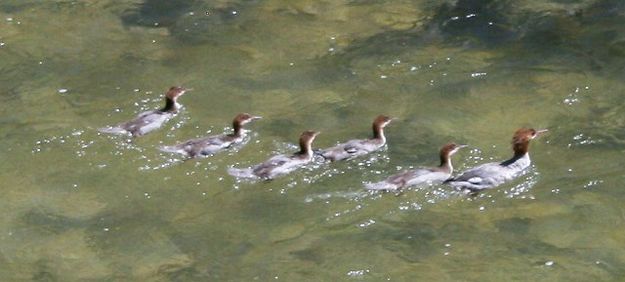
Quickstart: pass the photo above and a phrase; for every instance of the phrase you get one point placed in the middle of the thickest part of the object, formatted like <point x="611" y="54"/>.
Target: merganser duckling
<point x="355" y="148"/>
<point x="150" y="120"/>
<point x="432" y="175"/>
<point x="212" y="144"/>
<point x="280" y="164"/>
<point x="491" y="175"/>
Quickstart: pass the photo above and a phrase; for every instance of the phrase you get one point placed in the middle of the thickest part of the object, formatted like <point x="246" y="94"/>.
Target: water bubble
<point x="570" y="99"/>
<point x="592" y="183"/>
<point x="367" y="223"/>
<point x="582" y="139"/>
<point x="357" y="273"/>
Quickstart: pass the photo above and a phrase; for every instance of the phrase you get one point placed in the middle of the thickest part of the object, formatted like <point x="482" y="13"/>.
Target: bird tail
<point x="242" y="172"/>
<point x="172" y="149"/>
<point x="113" y="130"/>
<point x="382" y="186"/>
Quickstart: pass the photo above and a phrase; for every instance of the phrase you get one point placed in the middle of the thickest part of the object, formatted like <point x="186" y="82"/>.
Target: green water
<point x="77" y="205"/>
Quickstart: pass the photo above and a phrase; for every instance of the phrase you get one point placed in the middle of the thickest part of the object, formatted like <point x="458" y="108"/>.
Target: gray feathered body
<point x="274" y="167"/>
<point x="142" y="124"/>
<point x="410" y="178"/>
<point x="206" y="146"/>
<point x="352" y="149"/>
<point x="491" y="175"/>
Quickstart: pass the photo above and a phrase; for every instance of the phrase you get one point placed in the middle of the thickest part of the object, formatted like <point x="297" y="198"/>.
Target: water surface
<point x="78" y="205"/>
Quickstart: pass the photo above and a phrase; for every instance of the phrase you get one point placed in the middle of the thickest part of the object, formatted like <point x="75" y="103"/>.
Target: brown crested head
<point x="450" y="149"/>
<point x="447" y="150"/>
<point x="244" y="118"/>
<point x="381" y="121"/>
<point x="175" y="91"/>
<point x="522" y="137"/>
<point x="305" y="141"/>
<point x="378" y="126"/>
<point x="308" y="136"/>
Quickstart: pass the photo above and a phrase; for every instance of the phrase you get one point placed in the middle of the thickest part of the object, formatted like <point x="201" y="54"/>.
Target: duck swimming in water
<point x="431" y="175"/>
<point x="281" y="164"/>
<point x="150" y="120"/>
<point x="491" y="175"/>
<point x="359" y="147"/>
<point x="201" y="147"/>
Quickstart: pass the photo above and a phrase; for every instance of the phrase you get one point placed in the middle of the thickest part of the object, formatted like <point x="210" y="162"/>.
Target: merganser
<point x="280" y="164"/>
<point x="212" y="144"/>
<point x="150" y="120"/>
<point x="491" y="175"/>
<point x="355" y="148"/>
<point x="432" y="175"/>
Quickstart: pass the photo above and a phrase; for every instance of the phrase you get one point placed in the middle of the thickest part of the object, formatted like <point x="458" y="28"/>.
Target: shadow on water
<point x="155" y="13"/>
<point x="519" y="35"/>
<point x="13" y="6"/>
<point x="584" y="40"/>
<point x="550" y="39"/>
<point x="161" y="249"/>
<point x="50" y="222"/>
<point x="465" y="21"/>
<point x="191" y="22"/>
